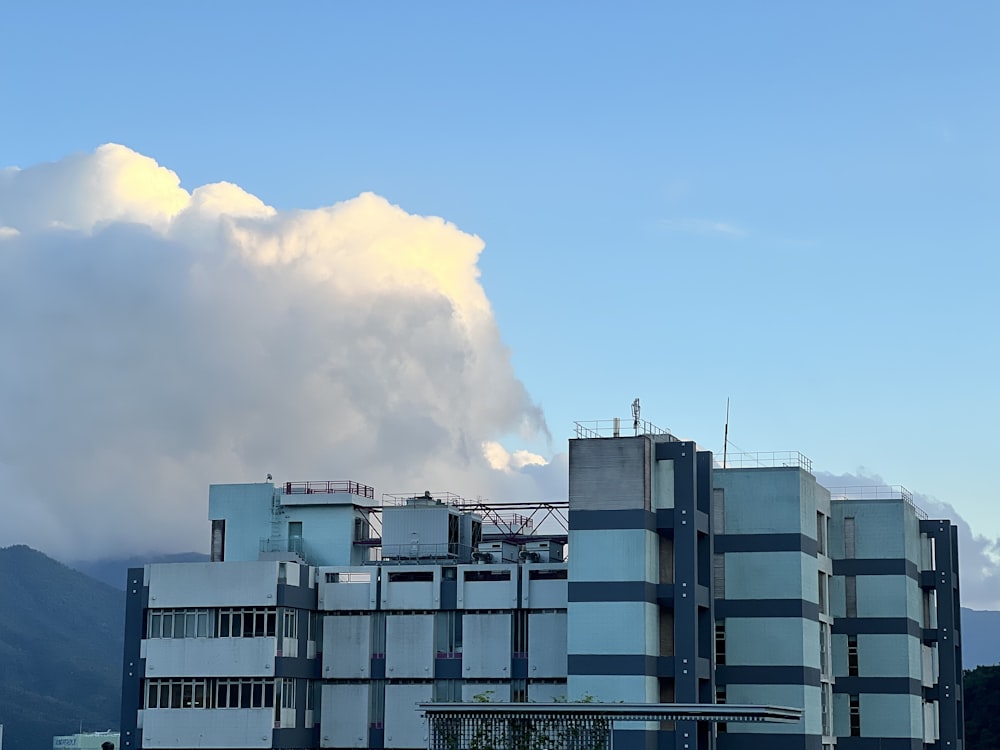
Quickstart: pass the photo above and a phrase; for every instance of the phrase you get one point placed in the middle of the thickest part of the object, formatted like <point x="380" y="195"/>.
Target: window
<point x="178" y="623"/>
<point x="852" y="656"/>
<point x="558" y="574"/>
<point x="825" y="635"/>
<point x="448" y="635"/>
<point x="720" y="642"/>
<point x="178" y="693"/>
<point x="287" y="693"/>
<point x="520" y="633"/>
<point x="855" y="716"/>
<point x="487" y="575"/>
<point x="822" y="592"/>
<point x="348" y="577"/>
<point x="290" y="623"/>
<point x="411" y="576"/>
<point x="820" y="534"/>
<point x="246" y="622"/>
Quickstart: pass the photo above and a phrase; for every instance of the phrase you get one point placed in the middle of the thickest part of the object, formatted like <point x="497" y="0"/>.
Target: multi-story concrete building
<point x="326" y="616"/>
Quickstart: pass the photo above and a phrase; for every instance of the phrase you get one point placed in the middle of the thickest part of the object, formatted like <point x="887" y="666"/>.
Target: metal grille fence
<point x="519" y="732"/>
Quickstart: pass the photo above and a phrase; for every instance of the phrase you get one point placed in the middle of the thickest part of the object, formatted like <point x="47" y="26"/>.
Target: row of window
<point x="427" y="576"/>
<point x="232" y="622"/>
<point x="220" y="693"/>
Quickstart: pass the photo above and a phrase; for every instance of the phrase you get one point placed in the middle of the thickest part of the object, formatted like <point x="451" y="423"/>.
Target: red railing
<point x="330" y="487"/>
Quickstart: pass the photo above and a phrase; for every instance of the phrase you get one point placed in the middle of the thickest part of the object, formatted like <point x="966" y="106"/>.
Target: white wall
<point x="209" y="657"/>
<point x="233" y="584"/>
<point x="344" y="711"/>
<point x="207" y="727"/>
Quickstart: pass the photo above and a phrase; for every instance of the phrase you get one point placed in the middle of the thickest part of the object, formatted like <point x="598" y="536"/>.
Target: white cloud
<point x="705" y="227"/>
<point x="158" y="340"/>
<point x="501" y="459"/>
<point x="978" y="555"/>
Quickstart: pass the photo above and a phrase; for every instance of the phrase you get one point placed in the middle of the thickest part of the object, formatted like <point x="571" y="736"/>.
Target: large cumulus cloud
<point x="157" y="340"/>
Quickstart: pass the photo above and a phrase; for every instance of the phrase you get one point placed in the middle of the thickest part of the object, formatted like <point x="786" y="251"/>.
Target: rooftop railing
<point x="878" y="492"/>
<point x="764" y="459"/>
<point x="618" y="427"/>
<point x="330" y="487"/>
<point x="402" y="498"/>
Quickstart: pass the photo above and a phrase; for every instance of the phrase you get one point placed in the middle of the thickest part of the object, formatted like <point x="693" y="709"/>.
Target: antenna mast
<point x="725" y="436"/>
<point x="635" y="416"/>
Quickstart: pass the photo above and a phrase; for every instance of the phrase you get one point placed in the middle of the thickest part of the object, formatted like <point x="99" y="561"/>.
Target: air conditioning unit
<point x="542" y="550"/>
<point x="495" y="552"/>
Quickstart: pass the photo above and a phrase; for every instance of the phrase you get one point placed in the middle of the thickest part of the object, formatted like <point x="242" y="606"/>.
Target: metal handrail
<point x="878" y="492"/>
<point x="765" y="459"/>
<point x="330" y="487"/>
<point x="618" y="427"/>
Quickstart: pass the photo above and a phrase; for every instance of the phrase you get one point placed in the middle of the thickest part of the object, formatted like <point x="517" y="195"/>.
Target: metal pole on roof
<point x="725" y="436"/>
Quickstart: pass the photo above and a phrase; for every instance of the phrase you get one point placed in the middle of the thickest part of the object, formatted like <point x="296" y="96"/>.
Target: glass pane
<point x="223" y="624"/>
<point x="248" y="624"/>
<point x="245" y="695"/>
<point x="188" y="695"/>
<point x="199" y="695"/>
<point x="270" y="624"/>
<point x="168" y="626"/>
<point x="152" y="695"/>
<point x="175" y="695"/>
<point x="222" y="695"/>
<point x="203" y="624"/>
<point x="258" y="695"/>
<point x="154" y="625"/>
<point x="269" y="695"/>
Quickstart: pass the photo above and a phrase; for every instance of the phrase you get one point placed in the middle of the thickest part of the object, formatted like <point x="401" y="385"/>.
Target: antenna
<point x="635" y="416"/>
<point x="725" y="436"/>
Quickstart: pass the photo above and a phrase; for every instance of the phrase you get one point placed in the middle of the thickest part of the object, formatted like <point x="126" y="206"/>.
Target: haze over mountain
<point x="60" y="650"/>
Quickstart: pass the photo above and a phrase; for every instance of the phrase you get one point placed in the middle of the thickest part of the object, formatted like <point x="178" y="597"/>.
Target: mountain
<point x="980" y="646"/>
<point x="112" y="570"/>
<point x="61" y="635"/>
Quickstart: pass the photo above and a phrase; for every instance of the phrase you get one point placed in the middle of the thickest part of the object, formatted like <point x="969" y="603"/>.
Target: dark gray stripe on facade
<point x="599" y="520"/>
<point x="377" y="668"/>
<point x="294" y="738"/>
<point x="616" y="664"/>
<point x="765" y="543"/>
<point x="665" y="521"/>
<point x="766" y="608"/>
<point x="299" y="597"/>
<point x="376" y="738"/>
<point x="876" y="567"/>
<point x="736" y="740"/>
<point x="881" y="685"/>
<point x="877" y="626"/>
<point x="766" y="675"/>
<point x="881" y="743"/>
<point x="133" y="667"/>
<point x="612" y="591"/>
<point x="518" y="668"/>
<point x="636" y="739"/>
<point x="294" y="666"/>
<point x="449" y="594"/>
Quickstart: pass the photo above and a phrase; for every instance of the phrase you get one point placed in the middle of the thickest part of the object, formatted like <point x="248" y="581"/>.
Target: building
<point x="326" y="615"/>
<point x="85" y="740"/>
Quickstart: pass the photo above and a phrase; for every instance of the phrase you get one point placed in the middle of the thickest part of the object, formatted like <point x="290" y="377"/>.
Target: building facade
<point x="326" y="616"/>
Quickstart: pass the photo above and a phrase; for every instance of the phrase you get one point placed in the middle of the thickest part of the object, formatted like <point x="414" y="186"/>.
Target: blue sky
<point x="790" y="205"/>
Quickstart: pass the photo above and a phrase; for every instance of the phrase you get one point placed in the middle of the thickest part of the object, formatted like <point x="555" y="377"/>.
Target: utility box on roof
<point x="428" y="529"/>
